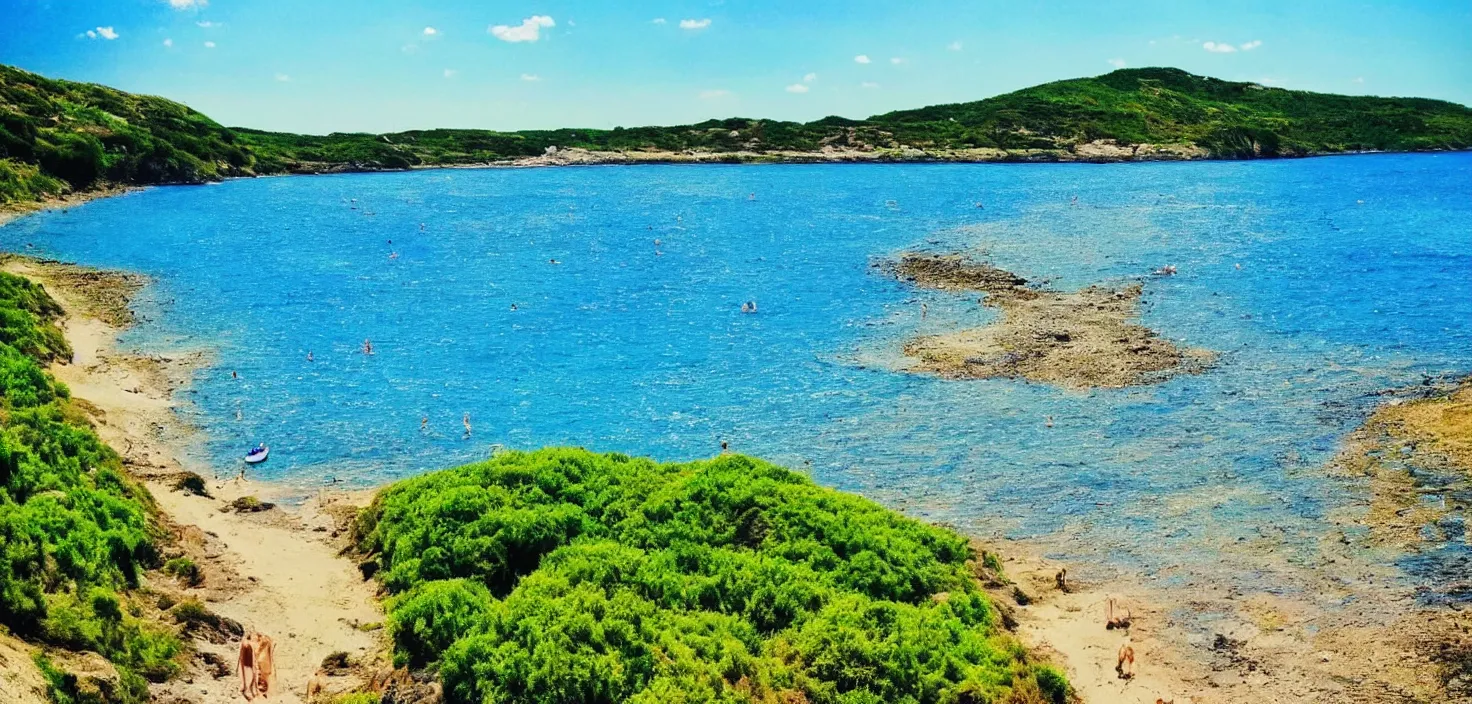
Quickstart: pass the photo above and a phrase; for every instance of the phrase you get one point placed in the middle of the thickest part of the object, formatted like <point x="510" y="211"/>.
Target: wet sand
<point x="1082" y="339"/>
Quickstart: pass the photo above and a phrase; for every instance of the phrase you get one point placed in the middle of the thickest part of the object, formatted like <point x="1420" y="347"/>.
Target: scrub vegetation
<point x="567" y="576"/>
<point x="60" y="136"/>
<point x="75" y="532"/>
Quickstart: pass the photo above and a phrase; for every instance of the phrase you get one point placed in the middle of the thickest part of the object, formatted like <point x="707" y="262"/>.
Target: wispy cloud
<point x="810" y="78"/>
<point x="695" y="24"/>
<point x="797" y="88"/>
<point x="209" y="45"/>
<point x="955" y="45"/>
<point x="529" y="30"/>
<point x="897" y="60"/>
<point x="714" y="93"/>
<point x="530" y="77"/>
<point x="660" y="20"/>
<point x="1249" y="46"/>
<point x="168" y="42"/>
<point x="101" y="32"/>
<point x="1217" y="48"/>
<point x="208" y="24"/>
<point x="862" y="59"/>
<point x="430" y="31"/>
<point x="187" y="4"/>
<point x="1117" y="63"/>
<point x="1359" y="80"/>
<point x="450" y="73"/>
<point x="283" y="78"/>
<point x="868" y="84"/>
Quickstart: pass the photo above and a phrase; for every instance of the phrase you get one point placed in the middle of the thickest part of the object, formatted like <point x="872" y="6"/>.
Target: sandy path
<point x="274" y="571"/>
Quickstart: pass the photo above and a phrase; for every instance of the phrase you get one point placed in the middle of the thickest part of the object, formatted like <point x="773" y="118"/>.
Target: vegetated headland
<point x="59" y="137"/>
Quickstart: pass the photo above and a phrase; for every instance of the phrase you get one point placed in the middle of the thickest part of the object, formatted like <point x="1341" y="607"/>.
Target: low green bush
<point x="75" y="532"/>
<point x="566" y="576"/>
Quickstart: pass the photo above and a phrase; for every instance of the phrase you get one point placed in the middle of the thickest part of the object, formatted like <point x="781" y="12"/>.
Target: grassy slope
<point x="59" y="135"/>
<point x="563" y="576"/>
<point x="75" y="531"/>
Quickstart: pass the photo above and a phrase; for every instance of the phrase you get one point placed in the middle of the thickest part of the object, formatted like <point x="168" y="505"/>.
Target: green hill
<point x="58" y="136"/>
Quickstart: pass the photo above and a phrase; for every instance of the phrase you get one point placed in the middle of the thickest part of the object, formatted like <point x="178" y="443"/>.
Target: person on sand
<point x="265" y="663"/>
<point x="245" y="665"/>
<point x="1125" y="667"/>
<point x="1113" y="620"/>
<point x="316" y="685"/>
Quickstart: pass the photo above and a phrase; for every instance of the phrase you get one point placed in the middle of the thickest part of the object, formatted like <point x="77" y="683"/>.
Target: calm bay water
<point x="1355" y="276"/>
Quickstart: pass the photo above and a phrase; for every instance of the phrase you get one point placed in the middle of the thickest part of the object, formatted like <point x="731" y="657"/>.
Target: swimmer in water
<point x="367" y="346"/>
<point x="466" y="421"/>
<point x="309" y="356"/>
<point x="234" y="374"/>
<point x="393" y="255"/>
<point x="924" y="309"/>
<point x="424" y="424"/>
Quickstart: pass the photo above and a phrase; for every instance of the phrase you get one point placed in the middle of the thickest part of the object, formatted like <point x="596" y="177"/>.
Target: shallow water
<point x="1356" y="276"/>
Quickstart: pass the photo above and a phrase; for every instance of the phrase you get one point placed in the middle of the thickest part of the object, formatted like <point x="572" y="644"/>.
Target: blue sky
<point x="372" y="65"/>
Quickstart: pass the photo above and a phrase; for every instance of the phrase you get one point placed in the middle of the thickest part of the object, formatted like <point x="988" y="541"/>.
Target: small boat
<point x="256" y="455"/>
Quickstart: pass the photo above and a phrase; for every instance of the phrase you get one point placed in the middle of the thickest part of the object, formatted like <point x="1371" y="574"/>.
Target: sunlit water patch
<point x="602" y="307"/>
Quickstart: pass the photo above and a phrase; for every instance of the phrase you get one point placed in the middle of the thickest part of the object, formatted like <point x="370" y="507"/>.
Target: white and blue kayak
<point x="256" y="455"/>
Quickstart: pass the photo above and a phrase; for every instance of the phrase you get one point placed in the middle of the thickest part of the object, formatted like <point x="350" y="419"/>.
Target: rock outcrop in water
<point x="1081" y="339"/>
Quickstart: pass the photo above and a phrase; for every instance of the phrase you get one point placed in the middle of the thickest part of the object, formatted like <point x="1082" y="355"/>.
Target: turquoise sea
<point x="600" y="307"/>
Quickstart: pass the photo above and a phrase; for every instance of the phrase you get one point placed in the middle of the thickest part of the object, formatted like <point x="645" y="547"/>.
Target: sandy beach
<point x="279" y="571"/>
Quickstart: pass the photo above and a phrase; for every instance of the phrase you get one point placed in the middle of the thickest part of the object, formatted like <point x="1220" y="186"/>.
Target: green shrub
<point x="185" y="570"/>
<point x="566" y="576"/>
<point x="75" y="531"/>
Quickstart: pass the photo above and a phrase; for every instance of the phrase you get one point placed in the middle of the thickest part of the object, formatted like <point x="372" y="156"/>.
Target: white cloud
<point x="104" y="32"/>
<point x="187" y="4"/>
<point x="868" y="84"/>
<point x="209" y="45"/>
<point x="955" y="45"/>
<point x="450" y="73"/>
<point x="714" y="93"/>
<point x="207" y="24"/>
<point x="530" y="77"/>
<point x="1249" y="46"/>
<point x="529" y="30"/>
<point x="797" y="88"/>
<point x="430" y="31"/>
<point x="897" y="60"/>
<point x="861" y="59"/>
<point x="1117" y="63"/>
<point x="283" y="78"/>
<point x="694" y="24"/>
<point x="659" y="20"/>
<point x="88" y="34"/>
<point x="168" y="42"/>
<point x="1359" y="79"/>
<point x="1216" y="48"/>
<point x="810" y="78"/>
